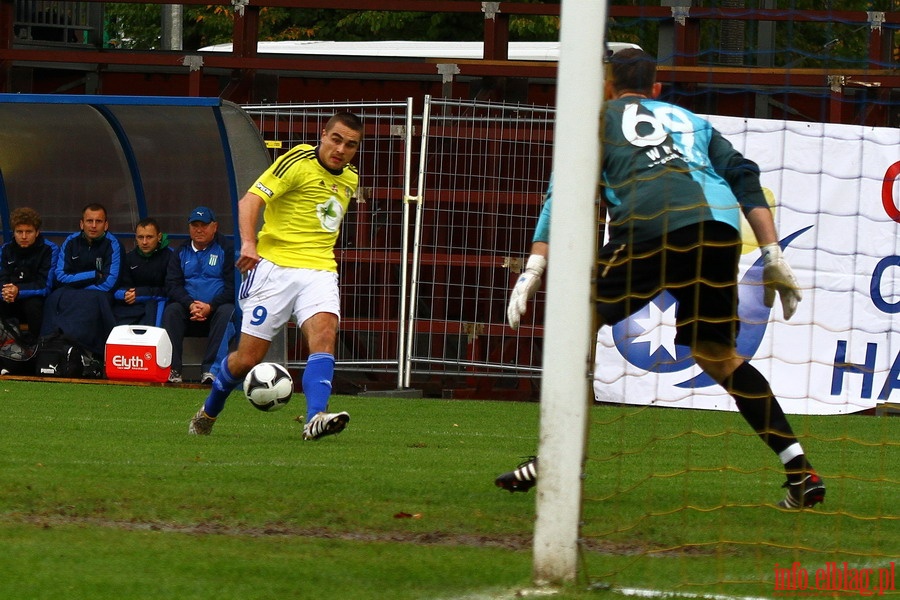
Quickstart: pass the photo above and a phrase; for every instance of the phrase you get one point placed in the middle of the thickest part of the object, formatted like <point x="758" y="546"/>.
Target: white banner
<point x="835" y="193"/>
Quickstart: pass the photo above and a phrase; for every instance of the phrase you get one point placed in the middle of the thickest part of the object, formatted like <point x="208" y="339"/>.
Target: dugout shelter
<point x="139" y="156"/>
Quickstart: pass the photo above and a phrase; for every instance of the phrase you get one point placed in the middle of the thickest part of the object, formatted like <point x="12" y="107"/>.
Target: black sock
<point x="796" y="467"/>
<point x="758" y="406"/>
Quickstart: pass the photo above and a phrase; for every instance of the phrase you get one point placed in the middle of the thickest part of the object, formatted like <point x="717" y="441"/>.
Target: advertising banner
<point x="834" y="191"/>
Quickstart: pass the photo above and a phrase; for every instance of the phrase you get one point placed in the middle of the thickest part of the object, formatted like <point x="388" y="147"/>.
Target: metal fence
<point x="52" y="21"/>
<point x="449" y="197"/>
<point x="484" y="176"/>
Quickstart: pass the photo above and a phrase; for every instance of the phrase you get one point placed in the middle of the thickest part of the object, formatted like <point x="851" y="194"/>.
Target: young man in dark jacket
<point x="200" y="287"/>
<point x="142" y="284"/>
<point x="26" y="272"/>
<point x="86" y="274"/>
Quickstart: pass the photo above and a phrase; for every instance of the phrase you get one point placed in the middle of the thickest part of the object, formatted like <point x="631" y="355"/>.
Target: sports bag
<point x="59" y="356"/>
<point x="16" y="354"/>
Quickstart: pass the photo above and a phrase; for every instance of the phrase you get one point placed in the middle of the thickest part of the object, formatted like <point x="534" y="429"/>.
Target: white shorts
<point x="270" y="295"/>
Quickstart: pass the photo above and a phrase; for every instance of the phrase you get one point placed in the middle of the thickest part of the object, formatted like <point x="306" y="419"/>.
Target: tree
<point x="138" y="26"/>
<point x="802" y="44"/>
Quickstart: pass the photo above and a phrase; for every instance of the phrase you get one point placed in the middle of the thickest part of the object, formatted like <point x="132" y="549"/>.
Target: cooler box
<point x="138" y="353"/>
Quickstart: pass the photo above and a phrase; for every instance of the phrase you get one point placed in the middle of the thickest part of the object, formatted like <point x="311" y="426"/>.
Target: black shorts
<point x="697" y="264"/>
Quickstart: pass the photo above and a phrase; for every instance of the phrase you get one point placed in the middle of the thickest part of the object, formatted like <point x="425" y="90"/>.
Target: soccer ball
<point x="268" y="386"/>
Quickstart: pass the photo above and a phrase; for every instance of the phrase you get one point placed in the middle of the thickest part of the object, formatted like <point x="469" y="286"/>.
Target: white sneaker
<point x="175" y="377"/>
<point x="325" y="424"/>
<point x="207" y="378"/>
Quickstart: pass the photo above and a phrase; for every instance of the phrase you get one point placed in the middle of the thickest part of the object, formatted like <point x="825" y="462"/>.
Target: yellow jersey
<point x="305" y="204"/>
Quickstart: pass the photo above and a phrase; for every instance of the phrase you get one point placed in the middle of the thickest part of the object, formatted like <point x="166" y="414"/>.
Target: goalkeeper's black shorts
<point x="697" y="264"/>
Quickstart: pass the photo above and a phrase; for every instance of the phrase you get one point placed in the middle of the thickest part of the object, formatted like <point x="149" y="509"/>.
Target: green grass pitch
<point x="104" y="495"/>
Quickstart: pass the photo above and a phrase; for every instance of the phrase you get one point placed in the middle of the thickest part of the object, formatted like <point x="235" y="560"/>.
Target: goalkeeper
<point x="673" y="187"/>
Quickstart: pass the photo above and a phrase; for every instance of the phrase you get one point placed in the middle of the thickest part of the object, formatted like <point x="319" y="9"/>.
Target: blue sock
<point x="223" y="385"/>
<point x="317" y="382"/>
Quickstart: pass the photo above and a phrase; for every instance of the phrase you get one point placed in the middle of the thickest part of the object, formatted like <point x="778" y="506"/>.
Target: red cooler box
<point x="138" y="353"/>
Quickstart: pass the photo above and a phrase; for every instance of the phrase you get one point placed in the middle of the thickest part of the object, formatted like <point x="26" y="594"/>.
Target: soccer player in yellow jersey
<point x="290" y="269"/>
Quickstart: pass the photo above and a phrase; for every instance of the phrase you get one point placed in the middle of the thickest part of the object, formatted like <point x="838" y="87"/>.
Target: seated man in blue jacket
<point x="142" y="285"/>
<point x="86" y="274"/>
<point x="200" y="287"/>
<point x="26" y="273"/>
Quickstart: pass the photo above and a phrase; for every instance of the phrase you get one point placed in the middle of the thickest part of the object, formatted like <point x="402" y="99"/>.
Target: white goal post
<point x="568" y="324"/>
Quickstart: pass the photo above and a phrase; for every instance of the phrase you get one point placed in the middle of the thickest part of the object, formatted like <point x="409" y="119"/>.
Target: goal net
<point x="679" y="495"/>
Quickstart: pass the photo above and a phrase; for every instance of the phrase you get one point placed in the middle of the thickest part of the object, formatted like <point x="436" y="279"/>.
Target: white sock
<point x="790" y="453"/>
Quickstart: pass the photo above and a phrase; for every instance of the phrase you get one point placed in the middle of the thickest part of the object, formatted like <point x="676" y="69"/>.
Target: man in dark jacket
<point x="26" y="272"/>
<point x="142" y="285"/>
<point x="200" y="287"/>
<point x="86" y="274"/>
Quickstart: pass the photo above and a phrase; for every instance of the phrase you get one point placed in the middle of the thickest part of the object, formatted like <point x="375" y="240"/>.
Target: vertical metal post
<point x="417" y="240"/>
<point x="496" y="32"/>
<point x="402" y="380"/>
<point x="172" y="27"/>
<point x="568" y="325"/>
<point x="765" y="43"/>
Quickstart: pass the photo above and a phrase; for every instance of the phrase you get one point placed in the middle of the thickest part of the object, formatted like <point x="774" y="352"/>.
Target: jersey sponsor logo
<point x="330" y="214"/>
<point x="662" y="154"/>
<point x="264" y="189"/>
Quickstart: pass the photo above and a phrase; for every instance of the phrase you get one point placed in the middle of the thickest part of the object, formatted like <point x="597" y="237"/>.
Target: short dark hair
<point x="633" y="70"/>
<point x="148" y="222"/>
<point x="26" y="216"/>
<point x="95" y="206"/>
<point x="347" y="119"/>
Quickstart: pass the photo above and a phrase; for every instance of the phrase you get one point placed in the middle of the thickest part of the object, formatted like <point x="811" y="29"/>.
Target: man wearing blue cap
<point x="200" y="288"/>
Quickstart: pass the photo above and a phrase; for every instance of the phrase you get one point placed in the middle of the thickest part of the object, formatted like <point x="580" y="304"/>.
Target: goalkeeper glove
<point x="526" y="286"/>
<point x="778" y="277"/>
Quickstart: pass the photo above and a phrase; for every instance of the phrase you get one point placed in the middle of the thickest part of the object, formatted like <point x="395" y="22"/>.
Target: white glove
<point x="526" y="286"/>
<point x="778" y="277"/>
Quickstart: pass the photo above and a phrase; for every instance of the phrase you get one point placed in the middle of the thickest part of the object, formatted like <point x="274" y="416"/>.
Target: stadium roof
<point x="546" y="51"/>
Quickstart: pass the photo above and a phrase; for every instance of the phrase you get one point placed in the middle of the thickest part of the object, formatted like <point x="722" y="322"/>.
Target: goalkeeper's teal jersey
<point x="665" y="168"/>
